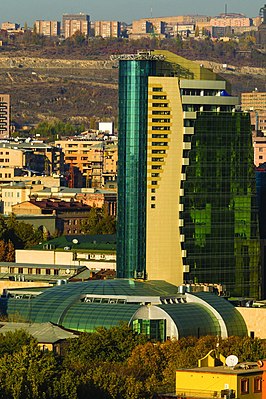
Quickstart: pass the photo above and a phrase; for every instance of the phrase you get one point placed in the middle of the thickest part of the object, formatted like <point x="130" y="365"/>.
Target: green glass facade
<point x="220" y="213"/>
<point x="132" y="167"/>
<point x="85" y="306"/>
<point x="217" y="216"/>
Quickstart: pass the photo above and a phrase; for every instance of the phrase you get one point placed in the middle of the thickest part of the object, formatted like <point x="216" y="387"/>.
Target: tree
<point x="104" y="345"/>
<point x="12" y="342"/>
<point x="28" y="373"/>
<point x="10" y="252"/>
<point x="99" y="222"/>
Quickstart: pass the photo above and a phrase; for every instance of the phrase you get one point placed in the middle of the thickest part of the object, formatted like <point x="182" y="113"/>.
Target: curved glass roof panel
<point x="53" y="303"/>
<point x="234" y="321"/>
<point x="88" y="316"/>
<point x="192" y="319"/>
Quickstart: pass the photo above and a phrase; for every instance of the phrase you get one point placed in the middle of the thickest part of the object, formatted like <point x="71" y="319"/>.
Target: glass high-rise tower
<point x="186" y="188"/>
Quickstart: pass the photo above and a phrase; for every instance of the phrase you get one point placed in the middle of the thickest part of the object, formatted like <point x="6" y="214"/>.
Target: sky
<point x="22" y="11"/>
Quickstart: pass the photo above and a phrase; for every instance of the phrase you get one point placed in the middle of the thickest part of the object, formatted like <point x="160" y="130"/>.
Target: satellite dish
<point x="75" y="241"/>
<point x="231" y="361"/>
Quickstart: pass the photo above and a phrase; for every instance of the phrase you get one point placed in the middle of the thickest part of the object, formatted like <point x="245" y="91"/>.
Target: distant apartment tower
<point x="107" y="28"/>
<point x="47" y="28"/>
<point x="4" y="115"/>
<point x="72" y="23"/>
<point x="255" y="103"/>
<point x="148" y="26"/>
<point x="141" y="26"/>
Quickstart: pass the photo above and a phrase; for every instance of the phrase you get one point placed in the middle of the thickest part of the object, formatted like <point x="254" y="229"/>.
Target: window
<point x="38" y="271"/>
<point x="156" y="120"/>
<point x="244" y="385"/>
<point x="56" y="272"/>
<point x="158" y="151"/>
<point x="48" y="271"/>
<point x="161" y="105"/>
<point x="160" y="128"/>
<point x="153" y="206"/>
<point x="257" y="384"/>
<point x="29" y="270"/>
<point x="20" y="270"/>
<point x="261" y="157"/>
<point x="162" y="97"/>
<point x="157" y="159"/>
<point x="153" y="198"/>
<point x="159" y="143"/>
<point x="12" y="270"/>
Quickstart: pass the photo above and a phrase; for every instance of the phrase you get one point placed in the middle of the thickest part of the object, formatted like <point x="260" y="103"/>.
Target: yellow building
<point x="214" y="379"/>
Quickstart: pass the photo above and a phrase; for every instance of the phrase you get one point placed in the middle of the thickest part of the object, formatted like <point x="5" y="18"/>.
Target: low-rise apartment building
<point x="53" y="215"/>
<point x="36" y="157"/>
<point x="95" y="252"/>
<point x="90" y="196"/>
<point x="10" y="26"/>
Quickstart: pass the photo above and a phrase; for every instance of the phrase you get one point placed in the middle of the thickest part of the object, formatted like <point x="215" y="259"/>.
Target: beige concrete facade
<point x="259" y="145"/>
<point x="255" y="319"/>
<point x="72" y="26"/>
<point x="9" y="26"/>
<point x="6" y="284"/>
<point x="107" y="28"/>
<point x="11" y="158"/>
<point x="90" y="259"/>
<point x="47" y="28"/>
<point x="164" y="160"/>
<point x="233" y="22"/>
<point x="12" y="195"/>
<point x="93" y="158"/>
<point x="253" y="101"/>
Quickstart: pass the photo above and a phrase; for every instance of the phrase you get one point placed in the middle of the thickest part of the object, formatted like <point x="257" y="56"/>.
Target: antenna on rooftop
<point x="225" y="9"/>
